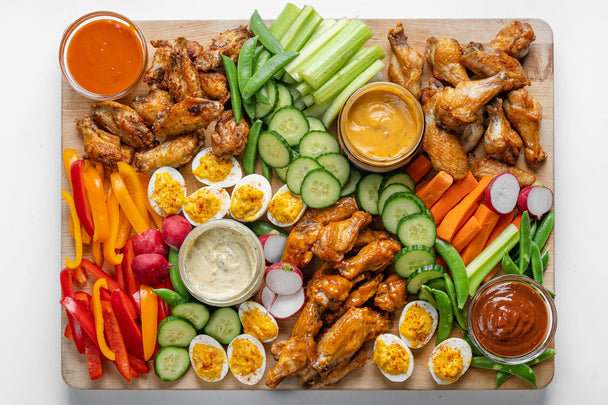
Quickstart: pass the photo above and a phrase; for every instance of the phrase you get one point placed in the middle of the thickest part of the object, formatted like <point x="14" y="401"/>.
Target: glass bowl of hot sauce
<point x="512" y="319"/>
<point x="103" y="55"/>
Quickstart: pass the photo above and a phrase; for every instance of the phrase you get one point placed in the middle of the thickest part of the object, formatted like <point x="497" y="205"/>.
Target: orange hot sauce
<point x="105" y="56"/>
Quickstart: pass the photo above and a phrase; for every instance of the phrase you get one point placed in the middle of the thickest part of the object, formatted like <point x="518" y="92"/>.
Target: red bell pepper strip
<point x="131" y="332"/>
<point x="93" y="359"/>
<point x="69" y="156"/>
<point x="149" y="319"/>
<point x="115" y="340"/>
<point x="119" y="275"/>
<point x="84" y="299"/>
<point x="80" y="197"/>
<point x="138" y="364"/>
<point x="98" y="273"/>
<point x="99" y="321"/>
<point x="81" y="314"/>
<point x="131" y="285"/>
<point x="67" y="290"/>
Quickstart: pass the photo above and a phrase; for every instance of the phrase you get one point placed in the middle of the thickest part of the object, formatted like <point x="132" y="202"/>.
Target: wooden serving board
<point x="539" y="68"/>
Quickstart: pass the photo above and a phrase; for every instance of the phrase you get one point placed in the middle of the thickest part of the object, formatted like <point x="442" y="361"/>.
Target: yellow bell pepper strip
<point x="127" y="204"/>
<point x="98" y="316"/>
<point x="136" y="188"/>
<point x="69" y="156"/>
<point x="109" y="246"/>
<point x="96" y="196"/>
<point x="80" y="198"/>
<point x="149" y="320"/>
<point x="158" y="219"/>
<point x="73" y="264"/>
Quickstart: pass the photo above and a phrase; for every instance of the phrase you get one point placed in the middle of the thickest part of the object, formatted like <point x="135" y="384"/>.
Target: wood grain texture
<point x="539" y="68"/>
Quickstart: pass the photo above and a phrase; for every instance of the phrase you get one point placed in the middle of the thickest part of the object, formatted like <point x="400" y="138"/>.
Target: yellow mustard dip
<point x="213" y="168"/>
<point x="168" y="193"/>
<point x="246" y="202"/>
<point x="393" y="359"/>
<point x="208" y="361"/>
<point x="245" y="358"/>
<point x="202" y="205"/>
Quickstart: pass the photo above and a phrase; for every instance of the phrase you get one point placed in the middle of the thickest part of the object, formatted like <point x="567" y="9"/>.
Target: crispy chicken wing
<point x="215" y="86"/>
<point x="470" y="134"/>
<point x="501" y="141"/>
<point x="514" y="39"/>
<point x="492" y="167"/>
<point x="182" y="77"/>
<point x="444" y="56"/>
<point x="374" y="256"/>
<point x="294" y="356"/>
<point x="189" y="115"/>
<point x="122" y="120"/>
<point x="152" y="105"/>
<point x="229" y="138"/>
<point x="337" y="238"/>
<point x="174" y="153"/>
<point x="406" y="63"/>
<point x="391" y="293"/>
<point x="193" y="48"/>
<point x="486" y="62"/>
<point x="156" y="75"/>
<point x="228" y="43"/>
<point x="524" y="114"/>
<point x="102" y="146"/>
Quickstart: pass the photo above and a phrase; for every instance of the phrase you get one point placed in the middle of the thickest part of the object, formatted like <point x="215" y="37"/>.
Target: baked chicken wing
<point x="406" y="63"/>
<point x="174" y="153"/>
<point x="514" y="39"/>
<point x="189" y="115"/>
<point x="156" y="75"/>
<point x="229" y="138"/>
<point x="492" y="167"/>
<point x="102" y="146"/>
<point x="485" y="61"/>
<point x="524" y="113"/>
<point x="228" y="43"/>
<point x="500" y="140"/>
<point x="444" y="56"/>
<point x="122" y="120"/>
<point x="182" y="77"/>
<point x="215" y="86"/>
<point x="152" y="105"/>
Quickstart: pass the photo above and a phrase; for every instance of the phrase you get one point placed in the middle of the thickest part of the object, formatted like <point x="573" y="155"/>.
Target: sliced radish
<point x="273" y="247"/>
<point x="283" y="278"/>
<point x="267" y="297"/>
<point x="285" y="306"/>
<point x="501" y="194"/>
<point x="537" y="200"/>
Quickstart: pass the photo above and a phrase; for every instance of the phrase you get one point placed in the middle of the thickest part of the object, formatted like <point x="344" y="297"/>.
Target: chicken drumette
<point x="514" y="39"/>
<point x="501" y="141"/>
<point x="524" y="113"/>
<point x="406" y="63"/>
<point x="444" y="56"/>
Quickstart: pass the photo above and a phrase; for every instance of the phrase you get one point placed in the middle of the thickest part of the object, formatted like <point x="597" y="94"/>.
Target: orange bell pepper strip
<point x="149" y="319"/>
<point x="109" y="246"/>
<point x="139" y="223"/>
<point x="98" y="316"/>
<point x="158" y="219"/>
<point x="69" y="156"/>
<point x="97" y="252"/>
<point x="115" y="340"/>
<point x="124" y="229"/>
<point x="96" y="196"/>
<point x="73" y="264"/>
<point x="136" y="188"/>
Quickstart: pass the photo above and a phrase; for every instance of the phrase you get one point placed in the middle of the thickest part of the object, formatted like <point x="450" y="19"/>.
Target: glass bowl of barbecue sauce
<point x="512" y="319"/>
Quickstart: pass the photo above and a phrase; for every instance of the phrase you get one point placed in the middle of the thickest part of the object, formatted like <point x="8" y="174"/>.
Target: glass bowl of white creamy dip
<point x="221" y="262"/>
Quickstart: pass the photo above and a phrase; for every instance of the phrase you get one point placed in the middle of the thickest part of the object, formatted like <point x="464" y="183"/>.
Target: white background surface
<point x="30" y="108"/>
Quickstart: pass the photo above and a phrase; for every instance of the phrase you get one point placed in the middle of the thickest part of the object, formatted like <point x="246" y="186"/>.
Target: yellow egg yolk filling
<point x="245" y="358"/>
<point x="246" y="202"/>
<point x="208" y="361"/>
<point x="213" y="168"/>
<point x="417" y="325"/>
<point x="393" y="359"/>
<point x="285" y="207"/>
<point x="202" y="205"/>
<point x="259" y="325"/>
<point x="168" y="193"/>
<point x="448" y="364"/>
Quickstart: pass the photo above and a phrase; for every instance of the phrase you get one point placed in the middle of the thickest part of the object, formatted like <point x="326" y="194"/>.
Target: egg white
<point x="389" y="339"/>
<point x="233" y="177"/>
<point x="175" y="175"/>
<point x="256" y="375"/>
<point x="247" y="306"/>
<point x="426" y="306"/>
<point x="221" y="194"/>
<point x="456" y="344"/>
<point x="209" y="341"/>
<point x="261" y="183"/>
<point x="272" y="219"/>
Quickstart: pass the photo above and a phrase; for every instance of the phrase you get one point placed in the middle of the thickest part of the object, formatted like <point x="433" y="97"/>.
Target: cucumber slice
<point x="290" y="123"/>
<point x="351" y="185"/>
<point x="196" y="313"/>
<point x="282" y="172"/>
<point x="320" y="189"/>
<point x="315" y="124"/>
<point x="399" y="177"/>
<point x="422" y="275"/>
<point x="285" y="97"/>
<point x="171" y="363"/>
<point x="366" y="193"/>
<point x="388" y="191"/>
<point x="274" y="149"/>
<point x="398" y="206"/>
<point x="337" y="164"/>
<point x="175" y="331"/>
<point x="261" y="109"/>
<point x="297" y="171"/>
<point x="412" y="258"/>
<point x="417" y="229"/>
<point x="224" y="325"/>
<point x="316" y="143"/>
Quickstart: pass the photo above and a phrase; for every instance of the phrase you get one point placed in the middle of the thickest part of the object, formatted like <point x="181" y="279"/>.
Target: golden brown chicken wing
<point x="337" y="238"/>
<point x="193" y="48"/>
<point x="228" y="43"/>
<point x="486" y="62"/>
<point x="444" y="56"/>
<point x="229" y="138"/>
<point x="122" y="120"/>
<point x="406" y="63"/>
<point x="391" y="293"/>
<point x="152" y="105"/>
<point x="470" y="134"/>
<point x="294" y="356"/>
<point x="514" y="39"/>
<point x="501" y="141"/>
<point x="492" y="167"/>
<point x="174" y="153"/>
<point x="189" y="115"/>
<point x="215" y="86"/>
<point x="102" y="146"/>
<point x="182" y="77"/>
<point x="156" y="75"/>
<point x="525" y="115"/>
<point x="375" y="256"/>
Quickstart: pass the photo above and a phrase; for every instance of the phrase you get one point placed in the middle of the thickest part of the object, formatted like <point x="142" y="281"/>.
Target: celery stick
<point x="308" y="99"/>
<point x="362" y="59"/>
<point x="280" y="26"/>
<point x="304" y="88"/>
<point x="312" y="47"/>
<point x="299" y="103"/>
<point x="325" y="25"/>
<point x="305" y="32"/>
<point x="336" y="104"/>
<point x="491" y="256"/>
<point x="336" y="53"/>
<point x="296" y="25"/>
<point x="317" y="111"/>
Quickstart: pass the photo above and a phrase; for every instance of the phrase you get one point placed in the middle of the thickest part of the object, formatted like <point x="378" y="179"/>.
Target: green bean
<point x="445" y="315"/>
<point x="457" y="269"/>
<point x="176" y="279"/>
<point x="502" y="376"/>
<point x="169" y="296"/>
<point x="521" y="370"/>
<point x="536" y="264"/>
<point x="233" y="82"/>
<point x="508" y="265"/>
<point x="265" y="36"/>
<point x="524" y="242"/>
<point x="245" y="62"/>
<point x="459" y="314"/>
<point x="251" y="150"/>
<point x="544" y="257"/>
<point x="544" y="229"/>
<point x="266" y="170"/>
<point x="266" y="71"/>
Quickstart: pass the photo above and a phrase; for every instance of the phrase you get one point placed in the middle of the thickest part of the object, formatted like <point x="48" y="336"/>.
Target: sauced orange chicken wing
<point x="174" y="153"/>
<point x="189" y="115"/>
<point x="338" y="238"/>
<point x="391" y="293"/>
<point x="406" y="63"/>
<point x="123" y="121"/>
<point x="229" y="138"/>
<point x="294" y="356"/>
<point x="375" y="256"/>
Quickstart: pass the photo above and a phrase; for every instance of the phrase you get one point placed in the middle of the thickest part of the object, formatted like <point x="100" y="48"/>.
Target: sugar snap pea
<point x="266" y="170"/>
<point x="445" y="315"/>
<point x="233" y="82"/>
<point x="525" y="244"/>
<point x="502" y="376"/>
<point x="508" y="265"/>
<point x="251" y="150"/>
<point x="521" y="370"/>
<point x="266" y="71"/>
<point x="544" y="229"/>
<point x="544" y="257"/>
<point x="265" y="36"/>
<point x="459" y="314"/>
<point x="536" y="262"/>
<point x="176" y="279"/>
<point x="169" y="296"/>
<point x="244" y="66"/>
<point x="457" y="269"/>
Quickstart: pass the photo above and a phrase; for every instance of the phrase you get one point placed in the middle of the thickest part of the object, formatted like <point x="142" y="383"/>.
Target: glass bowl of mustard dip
<point x="380" y="127"/>
<point x="512" y="319"/>
<point x="103" y="55"/>
<point x="221" y="262"/>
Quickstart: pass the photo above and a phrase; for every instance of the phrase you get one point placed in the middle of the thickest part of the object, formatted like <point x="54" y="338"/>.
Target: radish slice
<point x="273" y="247"/>
<point x="283" y="279"/>
<point x="537" y="200"/>
<point x="285" y="306"/>
<point x="502" y="192"/>
<point x="267" y="297"/>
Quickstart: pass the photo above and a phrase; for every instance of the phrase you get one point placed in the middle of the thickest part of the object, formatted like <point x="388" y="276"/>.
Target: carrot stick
<point x="491" y="274"/>
<point x="461" y="213"/>
<point x="433" y="189"/>
<point x="487" y="219"/>
<point x="419" y="167"/>
<point x="452" y="196"/>
<point x="503" y="222"/>
<point x="466" y="234"/>
<point x="517" y="220"/>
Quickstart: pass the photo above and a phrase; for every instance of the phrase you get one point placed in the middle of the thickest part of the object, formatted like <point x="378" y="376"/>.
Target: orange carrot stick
<point x="487" y="219"/>
<point x="452" y="196"/>
<point x="419" y="167"/>
<point x="517" y="220"/>
<point x="466" y="234"/>
<point x="503" y="222"/>
<point x="433" y="189"/>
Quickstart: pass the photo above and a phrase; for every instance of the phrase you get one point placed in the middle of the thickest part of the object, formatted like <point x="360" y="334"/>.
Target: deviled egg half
<point x="258" y="322"/>
<point x="211" y="170"/>
<point x="393" y="357"/>
<point x="247" y="359"/>
<point x="206" y="203"/>
<point x="417" y="323"/>
<point x="285" y="208"/>
<point x="449" y="360"/>
<point x="250" y="198"/>
<point x="208" y="358"/>
<point x="166" y="191"/>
